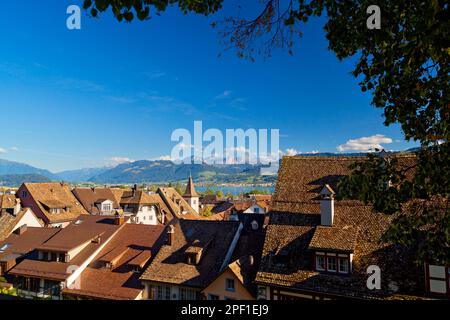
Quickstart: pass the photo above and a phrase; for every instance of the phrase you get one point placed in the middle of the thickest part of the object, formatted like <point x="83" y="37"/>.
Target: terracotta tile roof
<point x="117" y="193"/>
<point x="85" y="229"/>
<point x="8" y="222"/>
<point x="170" y="264"/>
<point x="55" y="195"/>
<point x="138" y="198"/>
<point x="7" y="201"/>
<point x="133" y="246"/>
<point x="301" y="178"/>
<point x="19" y="246"/>
<point x="342" y="239"/>
<point x="190" y="189"/>
<point x="69" y="238"/>
<point x="89" y="197"/>
<point x="295" y="233"/>
<point x="177" y="205"/>
<point x="210" y="199"/>
<point x="29" y="240"/>
<point x="222" y="207"/>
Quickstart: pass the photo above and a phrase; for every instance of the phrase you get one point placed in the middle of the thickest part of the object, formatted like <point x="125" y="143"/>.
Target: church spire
<point x="190" y="189"/>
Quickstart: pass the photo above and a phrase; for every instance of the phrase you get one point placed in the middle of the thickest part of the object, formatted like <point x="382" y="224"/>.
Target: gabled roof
<point x="55" y="195"/>
<point x="9" y="221"/>
<point x="138" y="198"/>
<point x="133" y="246"/>
<point x="89" y="197"/>
<point x="190" y="189"/>
<point x="170" y="264"/>
<point x="176" y="204"/>
<point x="25" y="243"/>
<point x="64" y="240"/>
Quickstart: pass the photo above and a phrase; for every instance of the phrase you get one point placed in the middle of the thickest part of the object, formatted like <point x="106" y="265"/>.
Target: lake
<point x="235" y="190"/>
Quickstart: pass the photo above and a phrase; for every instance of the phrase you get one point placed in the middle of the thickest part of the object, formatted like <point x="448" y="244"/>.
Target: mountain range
<point x="144" y="171"/>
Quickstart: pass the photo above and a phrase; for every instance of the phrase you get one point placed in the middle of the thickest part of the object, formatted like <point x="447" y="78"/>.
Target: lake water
<point x="235" y="190"/>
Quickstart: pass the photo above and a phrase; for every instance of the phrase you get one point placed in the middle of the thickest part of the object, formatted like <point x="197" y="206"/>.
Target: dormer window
<point x="106" y="207"/>
<point x="332" y="262"/>
<point x="55" y="211"/>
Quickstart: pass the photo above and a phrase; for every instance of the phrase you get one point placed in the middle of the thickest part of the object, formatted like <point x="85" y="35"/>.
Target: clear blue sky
<point x="72" y="99"/>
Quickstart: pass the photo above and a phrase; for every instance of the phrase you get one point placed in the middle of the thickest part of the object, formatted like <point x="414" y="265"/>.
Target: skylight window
<point x="4" y="247"/>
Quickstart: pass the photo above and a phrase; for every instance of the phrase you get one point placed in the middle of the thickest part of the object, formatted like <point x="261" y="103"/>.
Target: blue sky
<point x="111" y="91"/>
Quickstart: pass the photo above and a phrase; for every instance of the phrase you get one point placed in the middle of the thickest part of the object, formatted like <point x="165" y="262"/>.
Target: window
<point x="24" y="194"/>
<point x="256" y="210"/>
<point x="331" y="264"/>
<point x="343" y="265"/>
<point x="107" y="207"/>
<point x="229" y="285"/>
<point x="320" y="263"/>
<point x="213" y="297"/>
<point x="55" y="211"/>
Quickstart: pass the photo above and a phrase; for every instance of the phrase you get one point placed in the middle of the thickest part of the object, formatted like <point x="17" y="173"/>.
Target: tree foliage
<point x="406" y="67"/>
<point x="127" y="10"/>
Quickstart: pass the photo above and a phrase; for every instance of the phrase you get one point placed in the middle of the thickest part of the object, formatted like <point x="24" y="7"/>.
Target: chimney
<point x="134" y="190"/>
<point x="21" y="230"/>
<point x="170" y="235"/>
<point x="17" y="207"/>
<point x="119" y="219"/>
<point x="327" y="206"/>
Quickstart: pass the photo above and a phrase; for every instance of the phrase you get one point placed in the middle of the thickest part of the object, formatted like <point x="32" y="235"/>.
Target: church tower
<point x="191" y="196"/>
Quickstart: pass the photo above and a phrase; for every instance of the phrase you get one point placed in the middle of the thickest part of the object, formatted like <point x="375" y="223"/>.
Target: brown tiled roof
<point x="295" y="232"/>
<point x="7" y="201"/>
<point x="179" y="205"/>
<point x="69" y="238"/>
<point x="170" y="264"/>
<point x="88" y="197"/>
<point x="190" y="189"/>
<point x="222" y="207"/>
<point x="341" y="239"/>
<point x="19" y="246"/>
<point x="132" y="246"/>
<point x="301" y="178"/>
<point x="48" y="194"/>
<point x="117" y="192"/>
<point x="29" y="240"/>
<point x="8" y="222"/>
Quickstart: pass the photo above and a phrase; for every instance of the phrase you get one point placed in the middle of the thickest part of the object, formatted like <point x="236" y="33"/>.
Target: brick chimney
<point x="170" y="235"/>
<point x="327" y="206"/>
<point x="21" y="230"/>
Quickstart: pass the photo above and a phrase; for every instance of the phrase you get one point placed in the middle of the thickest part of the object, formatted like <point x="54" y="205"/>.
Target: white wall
<point x="146" y="215"/>
<point x="252" y="209"/>
<point x="29" y="219"/>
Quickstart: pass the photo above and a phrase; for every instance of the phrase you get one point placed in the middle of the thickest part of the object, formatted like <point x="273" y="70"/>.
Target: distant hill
<point x="15" y="180"/>
<point x="81" y="175"/>
<point x="167" y="171"/>
<point x="13" y="168"/>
